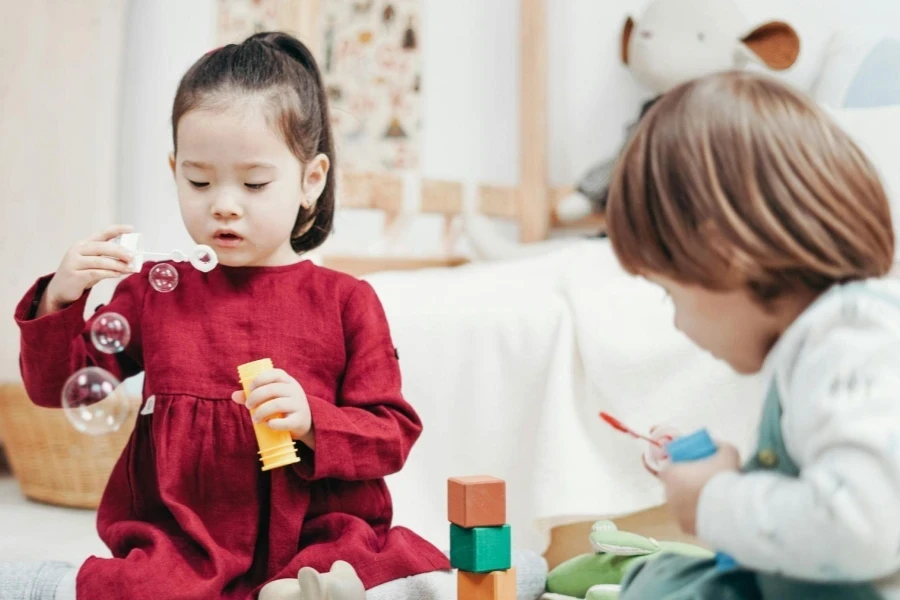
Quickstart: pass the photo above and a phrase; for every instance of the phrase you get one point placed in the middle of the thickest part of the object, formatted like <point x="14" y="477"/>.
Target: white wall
<point x="470" y="95"/>
<point x="164" y="38"/>
<point x="60" y="67"/>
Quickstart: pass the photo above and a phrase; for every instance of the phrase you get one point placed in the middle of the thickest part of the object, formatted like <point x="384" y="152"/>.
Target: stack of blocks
<point x="480" y="538"/>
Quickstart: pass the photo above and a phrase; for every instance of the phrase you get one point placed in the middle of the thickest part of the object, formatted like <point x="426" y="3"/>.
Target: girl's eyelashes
<point x="250" y="186"/>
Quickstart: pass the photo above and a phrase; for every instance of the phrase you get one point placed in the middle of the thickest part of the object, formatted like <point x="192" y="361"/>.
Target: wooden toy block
<point x="480" y="549"/>
<point x="478" y="501"/>
<point x="496" y="585"/>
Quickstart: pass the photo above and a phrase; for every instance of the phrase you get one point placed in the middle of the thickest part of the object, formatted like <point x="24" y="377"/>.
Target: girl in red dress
<point x="188" y="513"/>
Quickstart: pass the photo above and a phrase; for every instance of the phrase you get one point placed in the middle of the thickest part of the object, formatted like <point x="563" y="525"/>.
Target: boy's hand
<point x="685" y="481"/>
<point x="277" y="394"/>
<point x="83" y="266"/>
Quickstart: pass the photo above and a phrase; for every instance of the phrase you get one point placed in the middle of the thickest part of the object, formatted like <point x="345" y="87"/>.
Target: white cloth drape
<point x="509" y="363"/>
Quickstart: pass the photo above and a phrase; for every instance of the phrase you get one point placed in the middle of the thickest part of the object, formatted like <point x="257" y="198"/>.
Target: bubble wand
<point x="619" y="426"/>
<point x="202" y="257"/>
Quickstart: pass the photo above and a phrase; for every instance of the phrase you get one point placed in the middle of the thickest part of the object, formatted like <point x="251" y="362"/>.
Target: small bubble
<point x="110" y="333"/>
<point x="164" y="277"/>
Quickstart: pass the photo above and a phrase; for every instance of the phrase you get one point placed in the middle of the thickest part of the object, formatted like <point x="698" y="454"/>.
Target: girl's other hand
<point x="279" y="401"/>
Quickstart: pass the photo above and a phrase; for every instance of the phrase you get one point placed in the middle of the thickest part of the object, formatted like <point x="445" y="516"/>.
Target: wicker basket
<point x="52" y="461"/>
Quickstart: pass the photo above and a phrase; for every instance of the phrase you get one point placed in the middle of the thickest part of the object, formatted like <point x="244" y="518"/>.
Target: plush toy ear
<point x="626" y="38"/>
<point x="312" y="584"/>
<point x="776" y="44"/>
<point x="623" y="543"/>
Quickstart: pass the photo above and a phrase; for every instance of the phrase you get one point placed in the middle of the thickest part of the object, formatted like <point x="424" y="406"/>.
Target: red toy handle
<point x="619" y="426"/>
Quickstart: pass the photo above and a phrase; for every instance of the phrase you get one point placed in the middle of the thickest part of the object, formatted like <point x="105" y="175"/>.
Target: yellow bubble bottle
<point x="276" y="448"/>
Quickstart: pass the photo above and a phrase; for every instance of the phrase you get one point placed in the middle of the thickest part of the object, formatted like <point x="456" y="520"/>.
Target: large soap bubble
<point x="94" y="401"/>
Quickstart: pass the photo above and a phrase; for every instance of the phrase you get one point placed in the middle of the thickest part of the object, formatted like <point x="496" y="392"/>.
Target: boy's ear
<point x="172" y="162"/>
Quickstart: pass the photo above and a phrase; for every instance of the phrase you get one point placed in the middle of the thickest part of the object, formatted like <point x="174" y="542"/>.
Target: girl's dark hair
<point x="281" y="68"/>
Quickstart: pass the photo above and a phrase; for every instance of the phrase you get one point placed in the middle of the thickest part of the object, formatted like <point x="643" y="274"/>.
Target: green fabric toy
<point x="614" y="553"/>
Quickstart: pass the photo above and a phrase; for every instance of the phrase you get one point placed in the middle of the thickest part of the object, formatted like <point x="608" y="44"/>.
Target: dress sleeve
<point x="55" y="346"/>
<point x="840" y="519"/>
<point x="370" y="430"/>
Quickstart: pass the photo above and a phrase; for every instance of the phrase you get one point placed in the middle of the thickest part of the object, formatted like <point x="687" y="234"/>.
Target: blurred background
<point x="86" y="90"/>
<point x="475" y="95"/>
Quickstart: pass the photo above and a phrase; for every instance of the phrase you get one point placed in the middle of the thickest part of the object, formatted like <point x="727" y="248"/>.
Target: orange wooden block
<point x="478" y="501"/>
<point x="496" y="585"/>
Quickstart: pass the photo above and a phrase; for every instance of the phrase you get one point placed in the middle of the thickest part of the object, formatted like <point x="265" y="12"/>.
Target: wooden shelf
<point x="364" y="265"/>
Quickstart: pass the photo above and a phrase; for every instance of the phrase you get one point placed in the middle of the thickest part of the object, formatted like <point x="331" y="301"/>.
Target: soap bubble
<point x="94" y="401"/>
<point x="110" y="333"/>
<point x="204" y="258"/>
<point x="164" y="277"/>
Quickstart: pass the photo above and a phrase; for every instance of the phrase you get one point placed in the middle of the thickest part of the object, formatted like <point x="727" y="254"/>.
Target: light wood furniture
<point x="530" y="203"/>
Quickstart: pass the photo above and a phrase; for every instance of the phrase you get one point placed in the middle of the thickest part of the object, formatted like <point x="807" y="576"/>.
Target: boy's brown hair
<point x="734" y="180"/>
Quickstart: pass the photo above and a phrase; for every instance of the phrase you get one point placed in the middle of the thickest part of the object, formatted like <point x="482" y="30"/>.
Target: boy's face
<point x="729" y="325"/>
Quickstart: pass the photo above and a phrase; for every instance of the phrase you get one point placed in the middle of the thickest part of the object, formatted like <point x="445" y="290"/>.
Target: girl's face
<point x="729" y="325"/>
<point x="239" y="185"/>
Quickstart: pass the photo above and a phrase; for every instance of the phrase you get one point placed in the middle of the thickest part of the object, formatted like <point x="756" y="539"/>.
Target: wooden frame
<point x="530" y="203"/>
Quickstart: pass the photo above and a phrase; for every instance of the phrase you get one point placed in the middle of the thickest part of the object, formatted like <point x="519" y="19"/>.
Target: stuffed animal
<point x="672" y="42"/>
<point x="341" y="583"/>
<point x="676" y="41"/>
<point x="596" y="576"/>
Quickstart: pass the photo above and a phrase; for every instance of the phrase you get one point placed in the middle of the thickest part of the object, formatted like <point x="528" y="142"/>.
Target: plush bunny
<point x="341" y="583"/>
<point x="676" y="41"/>
<point x="672" y="42"/>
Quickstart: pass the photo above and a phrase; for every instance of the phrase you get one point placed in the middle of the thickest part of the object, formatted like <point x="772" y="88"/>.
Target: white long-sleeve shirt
<point x="837" y="370"/>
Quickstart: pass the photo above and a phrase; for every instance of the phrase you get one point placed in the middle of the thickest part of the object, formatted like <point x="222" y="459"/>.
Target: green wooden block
<point x="481" y="549"/>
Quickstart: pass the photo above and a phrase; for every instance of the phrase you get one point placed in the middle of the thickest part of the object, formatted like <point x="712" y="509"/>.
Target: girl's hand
<point x="277" y="394"/>
<point x="84" y="265"/>
<point x="685" y="481"/>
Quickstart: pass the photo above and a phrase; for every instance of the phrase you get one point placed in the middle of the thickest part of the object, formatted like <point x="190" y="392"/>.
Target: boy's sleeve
<point x="370" y="430"/>
<point x="55" y="346"/>
<point x="840" y="519"/>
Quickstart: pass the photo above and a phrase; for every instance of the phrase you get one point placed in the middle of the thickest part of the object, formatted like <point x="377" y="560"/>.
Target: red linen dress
<point x="187" y="512"/>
